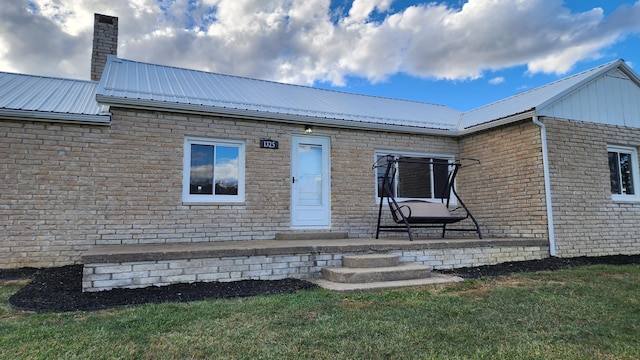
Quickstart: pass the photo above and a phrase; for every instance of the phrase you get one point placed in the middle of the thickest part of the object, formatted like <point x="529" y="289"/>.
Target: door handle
<point x="294" y="179"/>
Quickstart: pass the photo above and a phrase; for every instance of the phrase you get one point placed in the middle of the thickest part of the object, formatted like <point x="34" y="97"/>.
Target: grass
<point x="582" y="313"/>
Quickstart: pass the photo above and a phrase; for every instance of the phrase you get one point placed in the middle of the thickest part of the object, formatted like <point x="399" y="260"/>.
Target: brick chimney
<point x="105" y="42"/>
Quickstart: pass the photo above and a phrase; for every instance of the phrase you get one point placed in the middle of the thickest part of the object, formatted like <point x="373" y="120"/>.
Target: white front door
<point x="310" y="182"/>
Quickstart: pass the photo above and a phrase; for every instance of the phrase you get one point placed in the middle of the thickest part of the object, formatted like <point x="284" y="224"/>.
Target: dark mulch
<point x="60" y="289"/>
<point x="553" y="263"/>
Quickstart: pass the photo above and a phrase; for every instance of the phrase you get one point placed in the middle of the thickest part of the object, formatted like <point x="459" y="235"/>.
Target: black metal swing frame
<point x="401" y="211"/>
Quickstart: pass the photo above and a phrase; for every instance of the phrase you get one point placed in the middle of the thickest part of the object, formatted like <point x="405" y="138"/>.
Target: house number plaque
<point x="268" y="144"/>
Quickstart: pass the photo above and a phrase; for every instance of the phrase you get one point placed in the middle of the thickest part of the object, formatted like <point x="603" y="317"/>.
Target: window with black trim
<point x="213" y="170"/>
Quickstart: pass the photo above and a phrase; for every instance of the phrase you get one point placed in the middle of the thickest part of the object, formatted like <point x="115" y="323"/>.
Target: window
<point x="623" y="172"/>
<point x="213" y="170"/>
<point x="416" y="180"/>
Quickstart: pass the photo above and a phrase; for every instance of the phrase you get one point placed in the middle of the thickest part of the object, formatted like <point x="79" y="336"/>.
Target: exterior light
<point x="308" y="129"/>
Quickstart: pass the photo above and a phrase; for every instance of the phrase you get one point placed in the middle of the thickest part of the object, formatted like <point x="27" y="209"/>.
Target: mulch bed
<point x="552" y="263"/>
<point x="60" y="289"/>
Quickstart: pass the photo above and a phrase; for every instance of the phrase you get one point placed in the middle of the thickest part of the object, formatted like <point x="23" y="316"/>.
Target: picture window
<point x="213" y="170"/>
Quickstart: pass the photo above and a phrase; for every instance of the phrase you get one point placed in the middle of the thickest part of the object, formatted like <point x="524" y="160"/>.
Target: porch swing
<point x="411" y="214"/>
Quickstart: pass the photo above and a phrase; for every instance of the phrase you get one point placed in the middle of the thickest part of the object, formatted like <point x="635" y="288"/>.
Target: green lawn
<point x="582" y="313"/>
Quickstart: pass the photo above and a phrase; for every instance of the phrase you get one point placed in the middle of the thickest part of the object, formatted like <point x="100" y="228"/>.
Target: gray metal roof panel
<point x="531" y="99"/>
<point x="125" y="79"/>
<point x="29" y="93"/>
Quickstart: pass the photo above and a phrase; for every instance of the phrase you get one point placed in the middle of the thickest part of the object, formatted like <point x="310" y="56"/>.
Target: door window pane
<point x="309" y="177"/>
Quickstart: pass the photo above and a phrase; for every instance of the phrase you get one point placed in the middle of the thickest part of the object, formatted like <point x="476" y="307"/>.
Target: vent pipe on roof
<point x="105" y="42"/>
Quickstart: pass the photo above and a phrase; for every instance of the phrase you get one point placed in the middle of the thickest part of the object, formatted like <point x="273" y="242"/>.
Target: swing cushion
<point x="416" y="211"/>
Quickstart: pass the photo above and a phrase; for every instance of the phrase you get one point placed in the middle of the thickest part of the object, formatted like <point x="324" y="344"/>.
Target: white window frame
<point x="634" y="172"/>
<point x="187" y="197"/>
<point x="448" y="157"/>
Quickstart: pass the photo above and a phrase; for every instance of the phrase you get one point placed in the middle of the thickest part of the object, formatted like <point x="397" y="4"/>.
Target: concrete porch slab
<point x="178" y="250"/>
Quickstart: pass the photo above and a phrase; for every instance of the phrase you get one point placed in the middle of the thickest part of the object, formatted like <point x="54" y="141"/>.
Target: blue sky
<point x="462" y="54"/>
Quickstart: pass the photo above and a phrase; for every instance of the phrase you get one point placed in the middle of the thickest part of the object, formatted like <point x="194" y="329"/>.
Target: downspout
<point x="547" y="185"/>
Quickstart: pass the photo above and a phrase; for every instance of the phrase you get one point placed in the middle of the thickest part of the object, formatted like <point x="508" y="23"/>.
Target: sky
<point x="462" y="54"/>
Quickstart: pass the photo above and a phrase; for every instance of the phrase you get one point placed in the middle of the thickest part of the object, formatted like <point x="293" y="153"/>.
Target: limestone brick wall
<point x="52" y="181"/>
<point x="65" y="188"/>
<point x="587" y="220"/>
<point x="505" y="191"/>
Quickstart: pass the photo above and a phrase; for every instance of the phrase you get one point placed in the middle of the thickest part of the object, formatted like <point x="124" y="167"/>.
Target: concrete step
<point x="370" y="261"/>
<point x="403" y="271"/>
<point x="435" y="279"/>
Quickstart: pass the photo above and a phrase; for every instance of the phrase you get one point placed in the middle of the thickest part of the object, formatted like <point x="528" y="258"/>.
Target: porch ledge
<point x="174" y="251"/>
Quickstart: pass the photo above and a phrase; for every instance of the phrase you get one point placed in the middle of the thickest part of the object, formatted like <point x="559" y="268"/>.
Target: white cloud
<point x="361" y="9"/>
<point x="496" y="80"/>
<point x="227" y="173"/>
<point x="304" y="41"/>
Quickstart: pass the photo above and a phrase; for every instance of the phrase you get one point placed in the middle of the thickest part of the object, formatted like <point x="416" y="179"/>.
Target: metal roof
<point x="37" y="97"/>
<point x="534" y="99"/>
<point x="131" y="83"/>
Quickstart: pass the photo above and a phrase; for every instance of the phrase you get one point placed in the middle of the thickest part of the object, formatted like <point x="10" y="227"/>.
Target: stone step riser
<point x="369" y="275"/>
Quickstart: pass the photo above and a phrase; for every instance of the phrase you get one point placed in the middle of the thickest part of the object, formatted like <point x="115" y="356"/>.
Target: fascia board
<point x="275" y="117"/>
<point x="630" y="73"/>
<point x="10" y="114"/>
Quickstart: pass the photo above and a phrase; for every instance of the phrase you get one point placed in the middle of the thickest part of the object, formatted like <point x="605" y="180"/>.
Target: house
<point x="101" y="172"/>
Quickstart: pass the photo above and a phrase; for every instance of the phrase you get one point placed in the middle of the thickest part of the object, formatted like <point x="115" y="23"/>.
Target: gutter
<point x="547" y="185"/>
<point x="69" y="118"/>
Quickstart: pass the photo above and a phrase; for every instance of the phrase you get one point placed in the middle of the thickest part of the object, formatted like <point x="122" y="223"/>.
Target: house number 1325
<point x="268" y="144"/>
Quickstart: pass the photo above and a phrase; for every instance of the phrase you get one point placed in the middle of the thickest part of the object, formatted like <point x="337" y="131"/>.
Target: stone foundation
<point x="161" y="266"/>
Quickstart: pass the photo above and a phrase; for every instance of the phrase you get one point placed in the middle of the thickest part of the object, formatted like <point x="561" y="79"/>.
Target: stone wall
<point x="52" y="181"/>
<point x="65" y="188"/>
<point x="505" y="191"/>
<point x="587" y="220"/>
